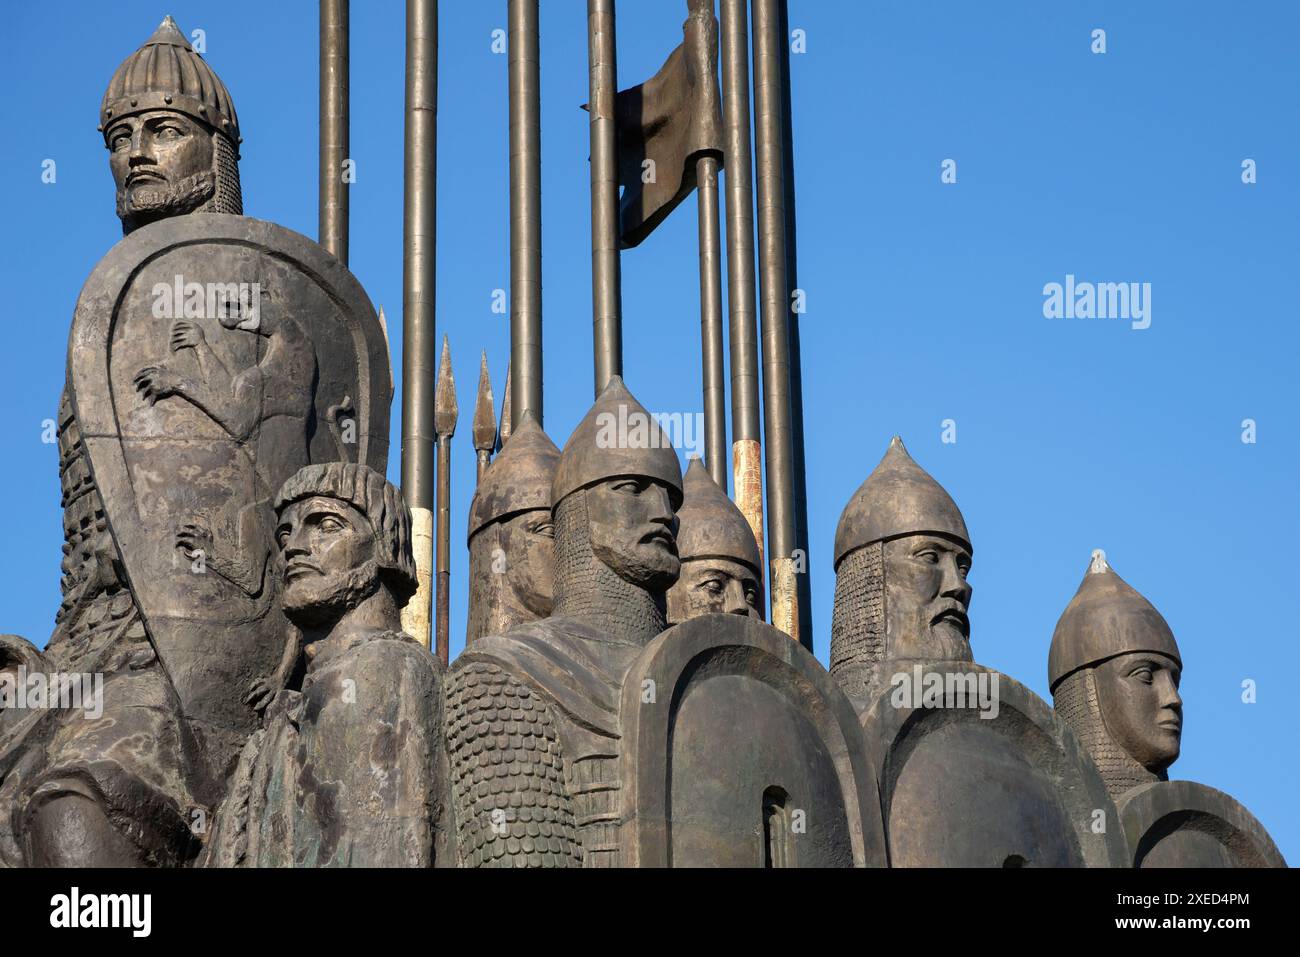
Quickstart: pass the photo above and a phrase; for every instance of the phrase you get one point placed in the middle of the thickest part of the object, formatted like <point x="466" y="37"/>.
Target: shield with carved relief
<point x="739" y="750"/>
<point x="212" y="356"/>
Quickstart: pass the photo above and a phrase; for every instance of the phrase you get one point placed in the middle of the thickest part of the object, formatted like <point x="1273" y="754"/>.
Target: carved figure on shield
<point x="349" y="769"/>
<point x="1114" y="670"/>
<point x="721" y="568"/>
<point x="974" y="768"/>
<point x="193" y="392"/>
<point x="511" y="535"/>
<point x="545" y="793"/>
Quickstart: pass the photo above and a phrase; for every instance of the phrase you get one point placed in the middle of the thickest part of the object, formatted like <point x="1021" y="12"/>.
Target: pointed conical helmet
<point x="616" y="437"/>
<point x="898" y="498"/>
<point x="167" y="74"/>
<point x="1106" y="617"/>
<point x="519" y="479"/>
<point x="710" y="524"/>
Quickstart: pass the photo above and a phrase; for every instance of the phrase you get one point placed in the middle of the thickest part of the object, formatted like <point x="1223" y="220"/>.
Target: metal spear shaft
<point x="332" y="224"/>
<point x="715" y="393"/>
<point x="796" y="363"/>
<point x="606" y="304"/>
<point x="747" y="469"/>
<point x="770" y="168"/>
<point x="525" y="210"/>
<point x="445" y="413"/>
<point x="419" y="242"/>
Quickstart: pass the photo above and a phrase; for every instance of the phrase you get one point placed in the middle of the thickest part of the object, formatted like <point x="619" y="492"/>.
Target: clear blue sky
<point x="924" y="299"/>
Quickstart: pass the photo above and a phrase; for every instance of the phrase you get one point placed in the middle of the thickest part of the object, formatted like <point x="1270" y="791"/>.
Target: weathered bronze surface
<point x="349" y="770"/>
<point x="974" y="769"/>
<point x="1185" y="824"/>
<point x="511" y="536"/>
<point x="1114" y="669"/>
<point x="195" y="388"/>
<point x="721" y="568"/>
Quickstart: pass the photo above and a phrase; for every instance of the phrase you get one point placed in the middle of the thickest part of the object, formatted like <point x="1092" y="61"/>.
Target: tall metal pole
<point x="770" y="167"/>
<point x="606" y="297"/>
<point x="796" y="363"/>
<point x="525" y="210"/>
<point x="746" y="449"/>
<point x="715" y="392"/>
<point x="419" y="241"/>
<point x="332" y="225"/>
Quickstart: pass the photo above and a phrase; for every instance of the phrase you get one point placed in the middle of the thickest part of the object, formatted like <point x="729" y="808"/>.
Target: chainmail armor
<point x="508" y="779"/>
<point x="1075" y="700"/>
<point x="590" y="591"/>
<point x="858" y="618"/>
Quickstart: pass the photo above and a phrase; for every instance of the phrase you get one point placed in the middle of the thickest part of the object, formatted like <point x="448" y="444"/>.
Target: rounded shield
<point x="739" y="750"/>
<point x="1185" y="824"/>
<point x="211" y="356"/>
<point x="976" y="771"/>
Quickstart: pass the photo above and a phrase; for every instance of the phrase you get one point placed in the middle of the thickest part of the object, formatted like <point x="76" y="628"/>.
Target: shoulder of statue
<point x="542" y="655"/>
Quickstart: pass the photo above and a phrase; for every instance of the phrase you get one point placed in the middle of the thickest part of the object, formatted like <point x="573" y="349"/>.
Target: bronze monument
<point x="721" y="567"/>
<point x="349" y="769"/>
<point x="511" y="537"/>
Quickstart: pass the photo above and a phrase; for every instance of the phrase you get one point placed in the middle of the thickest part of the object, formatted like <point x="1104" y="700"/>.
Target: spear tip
<point x="445" y="410"/>
<point x="506" y="407"/>
<point x="485" y="416"/>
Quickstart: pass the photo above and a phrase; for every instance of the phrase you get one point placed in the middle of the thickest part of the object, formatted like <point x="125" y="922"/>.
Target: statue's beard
<point x="154" y="199"/>
<point x="313" y="606"/>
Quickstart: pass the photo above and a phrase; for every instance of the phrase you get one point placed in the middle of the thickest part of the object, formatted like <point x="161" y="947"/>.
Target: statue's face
<point x="327" y="548"/>
<point x="528" y="543"/>
<point x="161" y="163"/>
<point x="926" y="598"/>
<point x="634" y="530"/>
<point x="710" y="586"/>
<point x="1138" y="697"/>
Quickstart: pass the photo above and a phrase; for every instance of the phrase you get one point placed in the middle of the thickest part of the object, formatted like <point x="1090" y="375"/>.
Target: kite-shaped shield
<point x="212" y="356"/>
<point x="739" y="750"/>
<point x="1185" y="824"/>
<point x="975" y="770"/>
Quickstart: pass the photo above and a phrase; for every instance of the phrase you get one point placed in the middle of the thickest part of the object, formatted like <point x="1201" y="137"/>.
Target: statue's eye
<point x="628" y="488"/>
<point x="169" y="133"/>
<point x="331" y="524"/>
<point x="544" y="529"/>
<point x="929" y="556"/>
<point x="713" y="586"/>
<point x="751" y="597"/>
<point x="1143" y="675"/>
<point x="120" y="140"/>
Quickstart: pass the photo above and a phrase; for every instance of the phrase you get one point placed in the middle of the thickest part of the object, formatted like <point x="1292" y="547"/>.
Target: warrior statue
<point x="350" y="769"/>
<point x="1114" y="669"/>
<point x="194" y="391"/>
<point x="974" y="768"/>
<point x="532" y="717"/>
<point x="719" y="556"/>
<point x="511" y="537"/>
<point x="902" y="554"/>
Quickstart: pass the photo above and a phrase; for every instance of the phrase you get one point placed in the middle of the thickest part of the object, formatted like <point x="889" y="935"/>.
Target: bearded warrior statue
<point x="511" y="536"/>
<point x="533" y="733"/>
<point x="194" y="390"/>
<point x="1114" y="669"/>
<point x="974" y="768"/>
<point x="902" y="554"/>
<point x="721" y="568"/>
<point x="350" y="769"/>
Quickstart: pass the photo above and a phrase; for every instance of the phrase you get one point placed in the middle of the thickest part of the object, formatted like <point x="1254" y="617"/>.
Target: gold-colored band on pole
<point x="747" y="480"/>
<point x="415" y="616"/>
